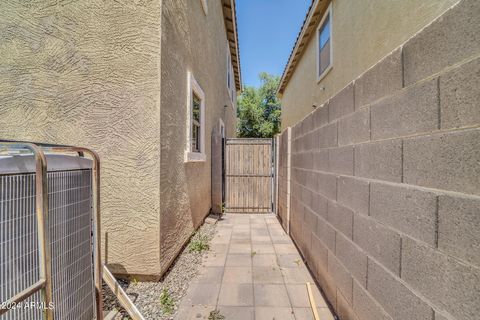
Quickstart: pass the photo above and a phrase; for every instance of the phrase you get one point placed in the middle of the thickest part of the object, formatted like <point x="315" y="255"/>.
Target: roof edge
<point x="230" y="17"/>
<point x="304" y="35"/>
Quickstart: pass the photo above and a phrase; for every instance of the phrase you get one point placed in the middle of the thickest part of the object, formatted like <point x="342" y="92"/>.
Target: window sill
<point x="324" y="73"/>
<point x="195" y="157"/>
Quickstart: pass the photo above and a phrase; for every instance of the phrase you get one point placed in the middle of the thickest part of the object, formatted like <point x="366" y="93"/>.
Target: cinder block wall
<point x="385" y="195"/>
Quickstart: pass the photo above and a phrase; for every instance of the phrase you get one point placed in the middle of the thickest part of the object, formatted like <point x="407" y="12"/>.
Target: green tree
<point x="259" y="109"/>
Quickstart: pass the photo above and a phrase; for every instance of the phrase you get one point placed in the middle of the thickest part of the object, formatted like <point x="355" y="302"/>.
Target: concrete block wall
<point x="385" y="181"/>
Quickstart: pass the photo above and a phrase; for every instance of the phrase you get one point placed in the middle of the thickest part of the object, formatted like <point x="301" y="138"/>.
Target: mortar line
<point x="402" y="61"/>
<point x="439" y="125"/>
<point x="353" y="89"/>
<point x="401" y="161"/>
<point x="437" y="220"/>
<point x="251" y="265"/>
<point x="283" y="276"/>
<point x="366" y="276"/>
<point x="369" y="213"/>
<point x="224" y="264"/>
<point x="400" y="260"/>
<point x="369" y="123"/>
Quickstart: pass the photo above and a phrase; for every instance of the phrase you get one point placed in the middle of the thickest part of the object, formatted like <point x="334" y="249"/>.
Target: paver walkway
<point x="253" y="271"/>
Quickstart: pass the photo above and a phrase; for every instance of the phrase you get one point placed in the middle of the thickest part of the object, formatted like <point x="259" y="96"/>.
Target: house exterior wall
<point x="195" y="42"/>
<point x="362" y="33"/>
<point x="385" y="194"/>
<point x="87" y="73"/>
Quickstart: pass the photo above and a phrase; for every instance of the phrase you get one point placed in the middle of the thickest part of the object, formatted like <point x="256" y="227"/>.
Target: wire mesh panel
<point x="71" y="237"/>
<point x="19" y="260"/>
<point x="70" y="229"/>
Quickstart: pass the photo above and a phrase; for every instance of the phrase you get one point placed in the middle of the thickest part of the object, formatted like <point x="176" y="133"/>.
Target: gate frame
<point x="272" y="170"/>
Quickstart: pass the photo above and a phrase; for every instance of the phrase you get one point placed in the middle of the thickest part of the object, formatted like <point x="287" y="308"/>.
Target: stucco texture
<point x="87" y="73"/>
<point x="195" y="42"/>
<point x="362" y="33"/>
<point x="112" y="76"/>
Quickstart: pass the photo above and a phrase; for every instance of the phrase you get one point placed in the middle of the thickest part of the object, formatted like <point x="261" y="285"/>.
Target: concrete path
<point x="252" y="272"/>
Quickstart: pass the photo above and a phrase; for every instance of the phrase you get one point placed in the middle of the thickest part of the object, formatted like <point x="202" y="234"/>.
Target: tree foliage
<point x="259" y="109"/>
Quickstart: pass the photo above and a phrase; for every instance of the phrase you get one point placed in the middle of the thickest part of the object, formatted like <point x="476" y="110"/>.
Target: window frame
<point x="328" y="13"/>
<point x="230" y="77"/>
<point x="194" y="88"/>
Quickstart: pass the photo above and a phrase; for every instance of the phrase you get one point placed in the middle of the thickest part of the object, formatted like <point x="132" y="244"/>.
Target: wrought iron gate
<point x="248" y="175"/>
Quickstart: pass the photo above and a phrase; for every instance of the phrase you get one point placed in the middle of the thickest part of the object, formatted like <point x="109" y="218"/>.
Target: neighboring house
<point x="144" y="83"/>
<point x="340" y="40"/>
<point x="381" y="179"/>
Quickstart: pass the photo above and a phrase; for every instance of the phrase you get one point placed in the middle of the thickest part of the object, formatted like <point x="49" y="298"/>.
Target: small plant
<point x="298" y="261"/>
<point x="134" y="280"/>
<point x="198" y="244"/>
<point x="254" y="253"/>
<point x="215" y="315"/>
<point x="166" y="302"/>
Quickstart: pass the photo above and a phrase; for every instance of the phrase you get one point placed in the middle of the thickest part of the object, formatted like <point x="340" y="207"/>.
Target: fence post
<point x="289" y="169"/>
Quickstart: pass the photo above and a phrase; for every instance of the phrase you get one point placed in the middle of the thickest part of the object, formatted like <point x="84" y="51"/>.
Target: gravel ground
<point x="146" y="295"/>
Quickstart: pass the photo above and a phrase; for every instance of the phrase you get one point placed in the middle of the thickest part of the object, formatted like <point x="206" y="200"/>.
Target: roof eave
<point x="230" y="19"/>
<point x="309" y="23"/>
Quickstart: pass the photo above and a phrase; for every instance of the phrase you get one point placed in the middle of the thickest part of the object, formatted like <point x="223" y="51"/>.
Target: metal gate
<point x="248" y="175"/>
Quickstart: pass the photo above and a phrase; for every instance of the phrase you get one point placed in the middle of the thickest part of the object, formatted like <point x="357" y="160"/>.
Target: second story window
<point x="230" y="77"/>
<point x="195" y="147"/>
<point x="229" y="70"/>
<point x="324" y="45"/>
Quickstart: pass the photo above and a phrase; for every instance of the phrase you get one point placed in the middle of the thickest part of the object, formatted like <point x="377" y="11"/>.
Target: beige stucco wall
<point x="362" y="33"/>
<point x="191" y="41"/>
<point x="87" y="73"/>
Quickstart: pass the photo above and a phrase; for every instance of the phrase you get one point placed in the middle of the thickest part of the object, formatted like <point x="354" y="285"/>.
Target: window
<point x="229" y="70"/>
<point x="196" y="109"/>
<point x="230" y="78"/>
<point x="195" y="146"/>
<point x="324" y="45"/>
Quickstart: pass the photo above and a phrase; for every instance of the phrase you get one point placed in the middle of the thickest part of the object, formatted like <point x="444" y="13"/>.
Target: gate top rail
<point x="249" y="141"/>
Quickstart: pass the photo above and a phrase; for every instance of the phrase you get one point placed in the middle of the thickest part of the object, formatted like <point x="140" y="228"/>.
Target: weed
<point x="215" y="315"/>
<point x="198" y="244"/>
<point x="254" y="253"/>
<point x="166" y="302"/>
<point x="298" y="261"/>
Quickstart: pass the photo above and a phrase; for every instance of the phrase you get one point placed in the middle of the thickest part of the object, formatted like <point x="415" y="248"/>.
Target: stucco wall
<point x="362" y="33"/>
<point x="87" y="73"/>
<point x="191" y="41"/>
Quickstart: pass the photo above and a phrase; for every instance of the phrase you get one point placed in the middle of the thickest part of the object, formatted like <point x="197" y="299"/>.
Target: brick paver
<point x="253" y="271"/>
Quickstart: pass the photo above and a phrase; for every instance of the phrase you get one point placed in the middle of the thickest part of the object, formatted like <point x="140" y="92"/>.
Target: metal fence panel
<point x="70" y="227"/>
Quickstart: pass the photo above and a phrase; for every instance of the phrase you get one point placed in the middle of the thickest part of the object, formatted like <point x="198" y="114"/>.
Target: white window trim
<point x="231" y="87"/>
<point x="325" y="72"/>
<point x="229" y="72"/>
<point x="194" y="87"/>
<point x="204" y="6"/>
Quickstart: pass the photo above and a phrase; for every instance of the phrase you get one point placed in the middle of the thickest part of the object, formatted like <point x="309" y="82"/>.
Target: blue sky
<point x="267" y="30"/>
